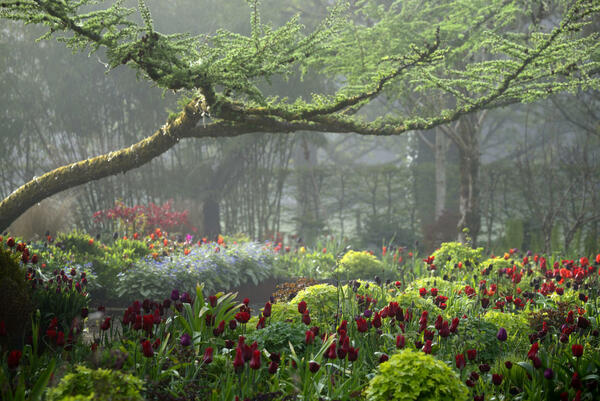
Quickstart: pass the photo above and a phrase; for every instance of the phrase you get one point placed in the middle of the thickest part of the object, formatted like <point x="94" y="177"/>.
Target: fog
<point x="538" y="160"/>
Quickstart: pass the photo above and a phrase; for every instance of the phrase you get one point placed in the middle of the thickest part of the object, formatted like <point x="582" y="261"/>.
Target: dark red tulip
<point x="471" y="354"/>
<point x="577" y="350"/>
<point x="302" y="307"/>
<point x="361" y="325"/>
<point x="314" y="366"/>
<point x="383" y="358"/>
<point x="255" y="361"/>
<point x="400" y="341"/>
<point x="208" y="355"/>
<point x="497" y="379"/>
<point x="267" y="310"/>
<point x="106" y="324"/>
<point x="14" y="357"/>
<point x="219" y="329"/>
<point x="352" y="354"/>
<point x="147" y="349"/>
<point x="331" y="351"/>
<point x="309" y="337"/>
<point x="273" y="367"/>
<point x="460" y="361"/>
<point x="238" y="361"/>
<point x="306" y="318"/>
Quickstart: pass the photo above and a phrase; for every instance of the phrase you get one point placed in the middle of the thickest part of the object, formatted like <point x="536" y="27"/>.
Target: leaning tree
<point x="222" y="76"/>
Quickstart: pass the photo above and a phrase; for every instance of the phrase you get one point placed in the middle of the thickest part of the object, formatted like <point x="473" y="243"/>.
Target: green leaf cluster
<point x="415" y="376"/>
<point x="277" y="336"/>
<point x="97" y="384"/>
<point x="359" y="264"/>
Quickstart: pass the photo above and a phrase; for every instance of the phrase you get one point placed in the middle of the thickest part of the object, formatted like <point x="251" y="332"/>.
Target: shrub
<point x="516" y="326"/>
<point x="15" y="298"/>
<point x="98" y="384"/>
<point x="277" y="336"/>
<point x="356" y="264"/>
<point x="412" y="375"/>
<point x="219" y="268"/>
<point x="450" y="254"/>
<point x="322" y="301"/>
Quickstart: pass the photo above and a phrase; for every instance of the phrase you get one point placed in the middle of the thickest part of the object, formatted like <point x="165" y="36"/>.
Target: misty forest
<point x="277" y="200"/>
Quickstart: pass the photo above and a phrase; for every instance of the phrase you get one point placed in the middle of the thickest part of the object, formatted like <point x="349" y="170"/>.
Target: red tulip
<point x="238" y="361"/>
<point x="309" y="337"/>
<point x="60" y="339"/>
<point x="242" y="317"/>
<point x="361" y="325"/>
<point x="255" y="361"/>
<point x="306" y="318"/>
<point x="533" y="350"/>
<point x="208" y="355"/>
<point x="376" y="322"/>
<point x="422" y="292"/>
<point x="353" y="354"/>
<point x="313" y="366"/>
<point x="219" y="329"/>
<point x="471" y="354"/>
<point x="267" y="310"/>
<point x="273" y="367"/>
<point x="460" y="361"/>
<point x="400" y="341"/>
<point x="302" y="307"/>
<point x="577" y="350"/>
<point x="14" y="357"/>
<point x="261" y="323"/>
<point x="497" y="379"/>
<point x="331" y="352"/>
<point x="147" y="349"/>
<point x="106" y="324"/>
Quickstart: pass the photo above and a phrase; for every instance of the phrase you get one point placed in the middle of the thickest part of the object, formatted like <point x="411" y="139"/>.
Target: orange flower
<point x="165" y="242"/>
<point x="155" y="255"/>
<point x="91" y="241"/>
<point x="151" y="246"/>
<point x="186" y="251"/>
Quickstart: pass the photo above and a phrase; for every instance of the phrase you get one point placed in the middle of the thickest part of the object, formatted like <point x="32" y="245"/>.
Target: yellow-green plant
<point x="415" y="376"/>
<point x="357" y="264"/>
<point x="98" y="384"/>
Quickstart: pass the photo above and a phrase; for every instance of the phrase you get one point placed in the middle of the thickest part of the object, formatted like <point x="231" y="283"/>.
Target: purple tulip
<point x="502" y="335"/>
<point x="175" y="295"/>
<point x="185" y="340"/>
<point x="548" y="374"/>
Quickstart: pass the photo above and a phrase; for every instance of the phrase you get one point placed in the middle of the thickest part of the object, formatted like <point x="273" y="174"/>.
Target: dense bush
<point x="15" y="296"/>
<point x="410" y="375"/>
<point x="218" y="267"/>
<point x="361" y="264"/>
<point x="97" y="384"/>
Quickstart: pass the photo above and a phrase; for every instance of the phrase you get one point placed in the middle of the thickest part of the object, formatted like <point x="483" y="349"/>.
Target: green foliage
<point x="321" y="299"/>
<point x="308" y="264"/>
<point x="79" y="243"/>
<point x="65" y="304"/>
<point x="15" y="298"/>
<point x="359" y="264"/>
<point x="450" y="253"/>
<point x="516" y="325"/>
<point x="481" y="335"/>
<point x="98" y="384"/>
<point x="411" y="375"/>
<point x="417" y="303"/>
<point x="219" y="269"/>
<point x="277" y="336"/>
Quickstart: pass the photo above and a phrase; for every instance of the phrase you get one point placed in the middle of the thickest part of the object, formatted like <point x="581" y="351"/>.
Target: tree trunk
<point x="441" y="147"/>
<point x="211" y="213"/>
<point x="469" y="164"/>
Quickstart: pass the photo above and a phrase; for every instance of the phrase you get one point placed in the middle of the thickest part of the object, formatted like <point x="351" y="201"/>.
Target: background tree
<point x="526" y="67"/>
